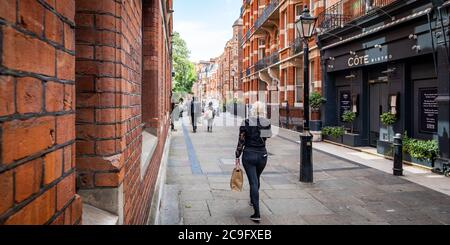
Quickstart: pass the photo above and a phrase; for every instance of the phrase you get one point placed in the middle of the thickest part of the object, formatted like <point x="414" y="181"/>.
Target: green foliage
<point x="316" y="100"/>
<point x="185" y="74"/>
<point x="423" y="150"/>
<point x="388" y="119"/>
<point x="349" y="117"/>
<point x="333" y="131"/>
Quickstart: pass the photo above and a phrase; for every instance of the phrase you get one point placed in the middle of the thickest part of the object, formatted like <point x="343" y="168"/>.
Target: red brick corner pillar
<point x="152" y="55"/>
<point x="37" y="113"/>
<point x="108" y="78"/>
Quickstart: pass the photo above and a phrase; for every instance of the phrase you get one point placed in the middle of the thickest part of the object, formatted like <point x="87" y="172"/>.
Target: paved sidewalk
<point x="197" y="188"/>
<point x="414" y="174"/>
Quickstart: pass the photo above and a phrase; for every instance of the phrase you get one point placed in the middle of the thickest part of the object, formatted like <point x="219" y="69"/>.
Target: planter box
<point x="315" y="125"/>
<point x="333" y="139"/>
<point x="385" y="148"/>
<point x="353" y="140"/>
<point x="408" y="158"/>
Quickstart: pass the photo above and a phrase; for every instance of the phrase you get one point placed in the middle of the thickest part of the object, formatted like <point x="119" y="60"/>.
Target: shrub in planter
<point x="388" y="119"/>
<point x="422" y="150"/>
<point x="334" y="132"/>
<point x="316" y="100"/>
<point x="349" y="117"/>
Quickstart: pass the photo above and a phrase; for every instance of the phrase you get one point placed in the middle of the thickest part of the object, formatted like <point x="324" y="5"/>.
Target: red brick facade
<point x="78" y="78"/>
<point x="37" y="115"/>
<point x="273" y="62"/>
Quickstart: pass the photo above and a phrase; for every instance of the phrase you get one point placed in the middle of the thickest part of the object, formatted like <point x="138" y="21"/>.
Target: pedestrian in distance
<point x="181" y="107"/>
<point x="174" y="115"/>
<point x="253" y="135"/>
<point x="210" y="114"/>
<point x="195" y="113"/>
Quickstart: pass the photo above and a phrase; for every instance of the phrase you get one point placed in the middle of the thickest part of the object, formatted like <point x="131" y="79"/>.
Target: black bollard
<point x="398" y="155"/>
<point x="306" y="163"/>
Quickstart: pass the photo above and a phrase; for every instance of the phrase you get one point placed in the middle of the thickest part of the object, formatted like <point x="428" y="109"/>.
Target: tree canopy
<point x="185" y="74"/>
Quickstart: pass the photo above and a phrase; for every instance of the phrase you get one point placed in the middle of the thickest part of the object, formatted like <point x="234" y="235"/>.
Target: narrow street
<point x="197" y="188"/>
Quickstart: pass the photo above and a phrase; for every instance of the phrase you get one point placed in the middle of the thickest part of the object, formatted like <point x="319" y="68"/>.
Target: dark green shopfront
<point x="391" y="62"/>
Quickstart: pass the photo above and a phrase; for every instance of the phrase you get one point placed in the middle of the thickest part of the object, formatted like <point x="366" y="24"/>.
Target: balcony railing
<point x="267" y="12"/>
<point x="297" y="46"/>
<point x="344" y="11"/>
<point x="267" y="61"/>
<point x="265" y="15"/>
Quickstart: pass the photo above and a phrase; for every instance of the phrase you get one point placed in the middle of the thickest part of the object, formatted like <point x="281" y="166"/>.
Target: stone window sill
<point x="149" y="143"/>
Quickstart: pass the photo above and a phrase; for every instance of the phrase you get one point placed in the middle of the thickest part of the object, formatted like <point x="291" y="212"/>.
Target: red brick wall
<point x="37" y="106"/>
<point x="121" y="60"/>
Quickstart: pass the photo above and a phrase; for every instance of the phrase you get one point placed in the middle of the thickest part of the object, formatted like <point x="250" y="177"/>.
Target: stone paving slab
<point x="345" y="192"/>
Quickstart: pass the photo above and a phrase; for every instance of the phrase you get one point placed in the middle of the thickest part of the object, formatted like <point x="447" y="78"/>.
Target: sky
<point x="206" y="25"/>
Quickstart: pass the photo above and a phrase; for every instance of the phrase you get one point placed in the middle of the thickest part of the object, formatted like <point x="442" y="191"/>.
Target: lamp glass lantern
<point x="306" y="24"/>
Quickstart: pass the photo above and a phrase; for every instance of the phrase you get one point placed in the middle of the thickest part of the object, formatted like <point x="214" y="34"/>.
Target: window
<point x="285" y="29"/>
<point x="285" y="84"/>
<point x="311" y="7"/>
<point x="261" y="48"/>
<point x="298" y="12"/>
<point x="298" y="85"/>
<point x="311" y="74"/>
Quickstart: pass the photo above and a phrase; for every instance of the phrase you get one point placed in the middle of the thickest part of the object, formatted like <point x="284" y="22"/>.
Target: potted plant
<point x="349" y="117"/>
<point x="350" y="138"/>
<point x="384" y="144"/>
<point x="388" y="119"/>
<point x="316" y="100"/>
<point x="334" y="134"/>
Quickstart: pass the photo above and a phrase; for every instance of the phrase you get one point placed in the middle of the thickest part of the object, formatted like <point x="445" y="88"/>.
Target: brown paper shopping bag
<point x="237" y="180"/>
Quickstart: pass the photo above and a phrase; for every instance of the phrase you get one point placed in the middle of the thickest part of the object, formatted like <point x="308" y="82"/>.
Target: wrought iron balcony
<point x="265" y="15"/>
<point x="267" y="61"/>
<point x="267" y="12"/>
<point x="345" y="11"/>
<point x="297" y="46"/>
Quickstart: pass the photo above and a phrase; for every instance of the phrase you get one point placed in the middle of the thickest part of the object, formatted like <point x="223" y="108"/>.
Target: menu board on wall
<point x="429" y="110"/>
<point x="345" y="103"/>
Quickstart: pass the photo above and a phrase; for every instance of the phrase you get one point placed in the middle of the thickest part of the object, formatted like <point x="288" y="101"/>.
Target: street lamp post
<point x="306" y="25"/>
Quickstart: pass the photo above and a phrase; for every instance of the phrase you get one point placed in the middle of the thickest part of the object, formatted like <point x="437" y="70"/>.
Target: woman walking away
<point x="210" y="114"/>
<point x="252" y="146"/>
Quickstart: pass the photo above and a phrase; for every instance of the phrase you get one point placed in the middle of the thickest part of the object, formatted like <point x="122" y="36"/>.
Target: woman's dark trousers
<point x="254" y="164"/>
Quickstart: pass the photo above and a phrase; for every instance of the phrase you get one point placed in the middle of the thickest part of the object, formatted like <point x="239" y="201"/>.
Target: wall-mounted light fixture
<point x="378" y="46"/>
<point x="352" y="53"/>
<point x="331" y="58"/>
<point x="413" y="37"/>
<point x="417" y="48"/>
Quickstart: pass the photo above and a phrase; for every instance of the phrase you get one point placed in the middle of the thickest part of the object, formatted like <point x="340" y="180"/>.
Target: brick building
<point x="84" y="108"/>
<point x="230" y="65"/>
<point x="273" y="58"/>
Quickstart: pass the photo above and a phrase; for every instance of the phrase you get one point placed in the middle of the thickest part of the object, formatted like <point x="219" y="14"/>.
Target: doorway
<point x="378" y="103"/>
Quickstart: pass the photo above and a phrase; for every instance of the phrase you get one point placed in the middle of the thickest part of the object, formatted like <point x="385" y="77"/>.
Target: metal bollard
<point x="398" y="155"/>
<point x="306" y="163"/>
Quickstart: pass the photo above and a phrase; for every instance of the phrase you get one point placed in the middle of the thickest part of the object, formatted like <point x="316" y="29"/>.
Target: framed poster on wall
<point x="345" y="102"/>
<point x="428" y="110"/>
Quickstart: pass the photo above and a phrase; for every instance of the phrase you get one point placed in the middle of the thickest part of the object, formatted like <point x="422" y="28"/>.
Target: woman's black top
<point x="253" y="135"/>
